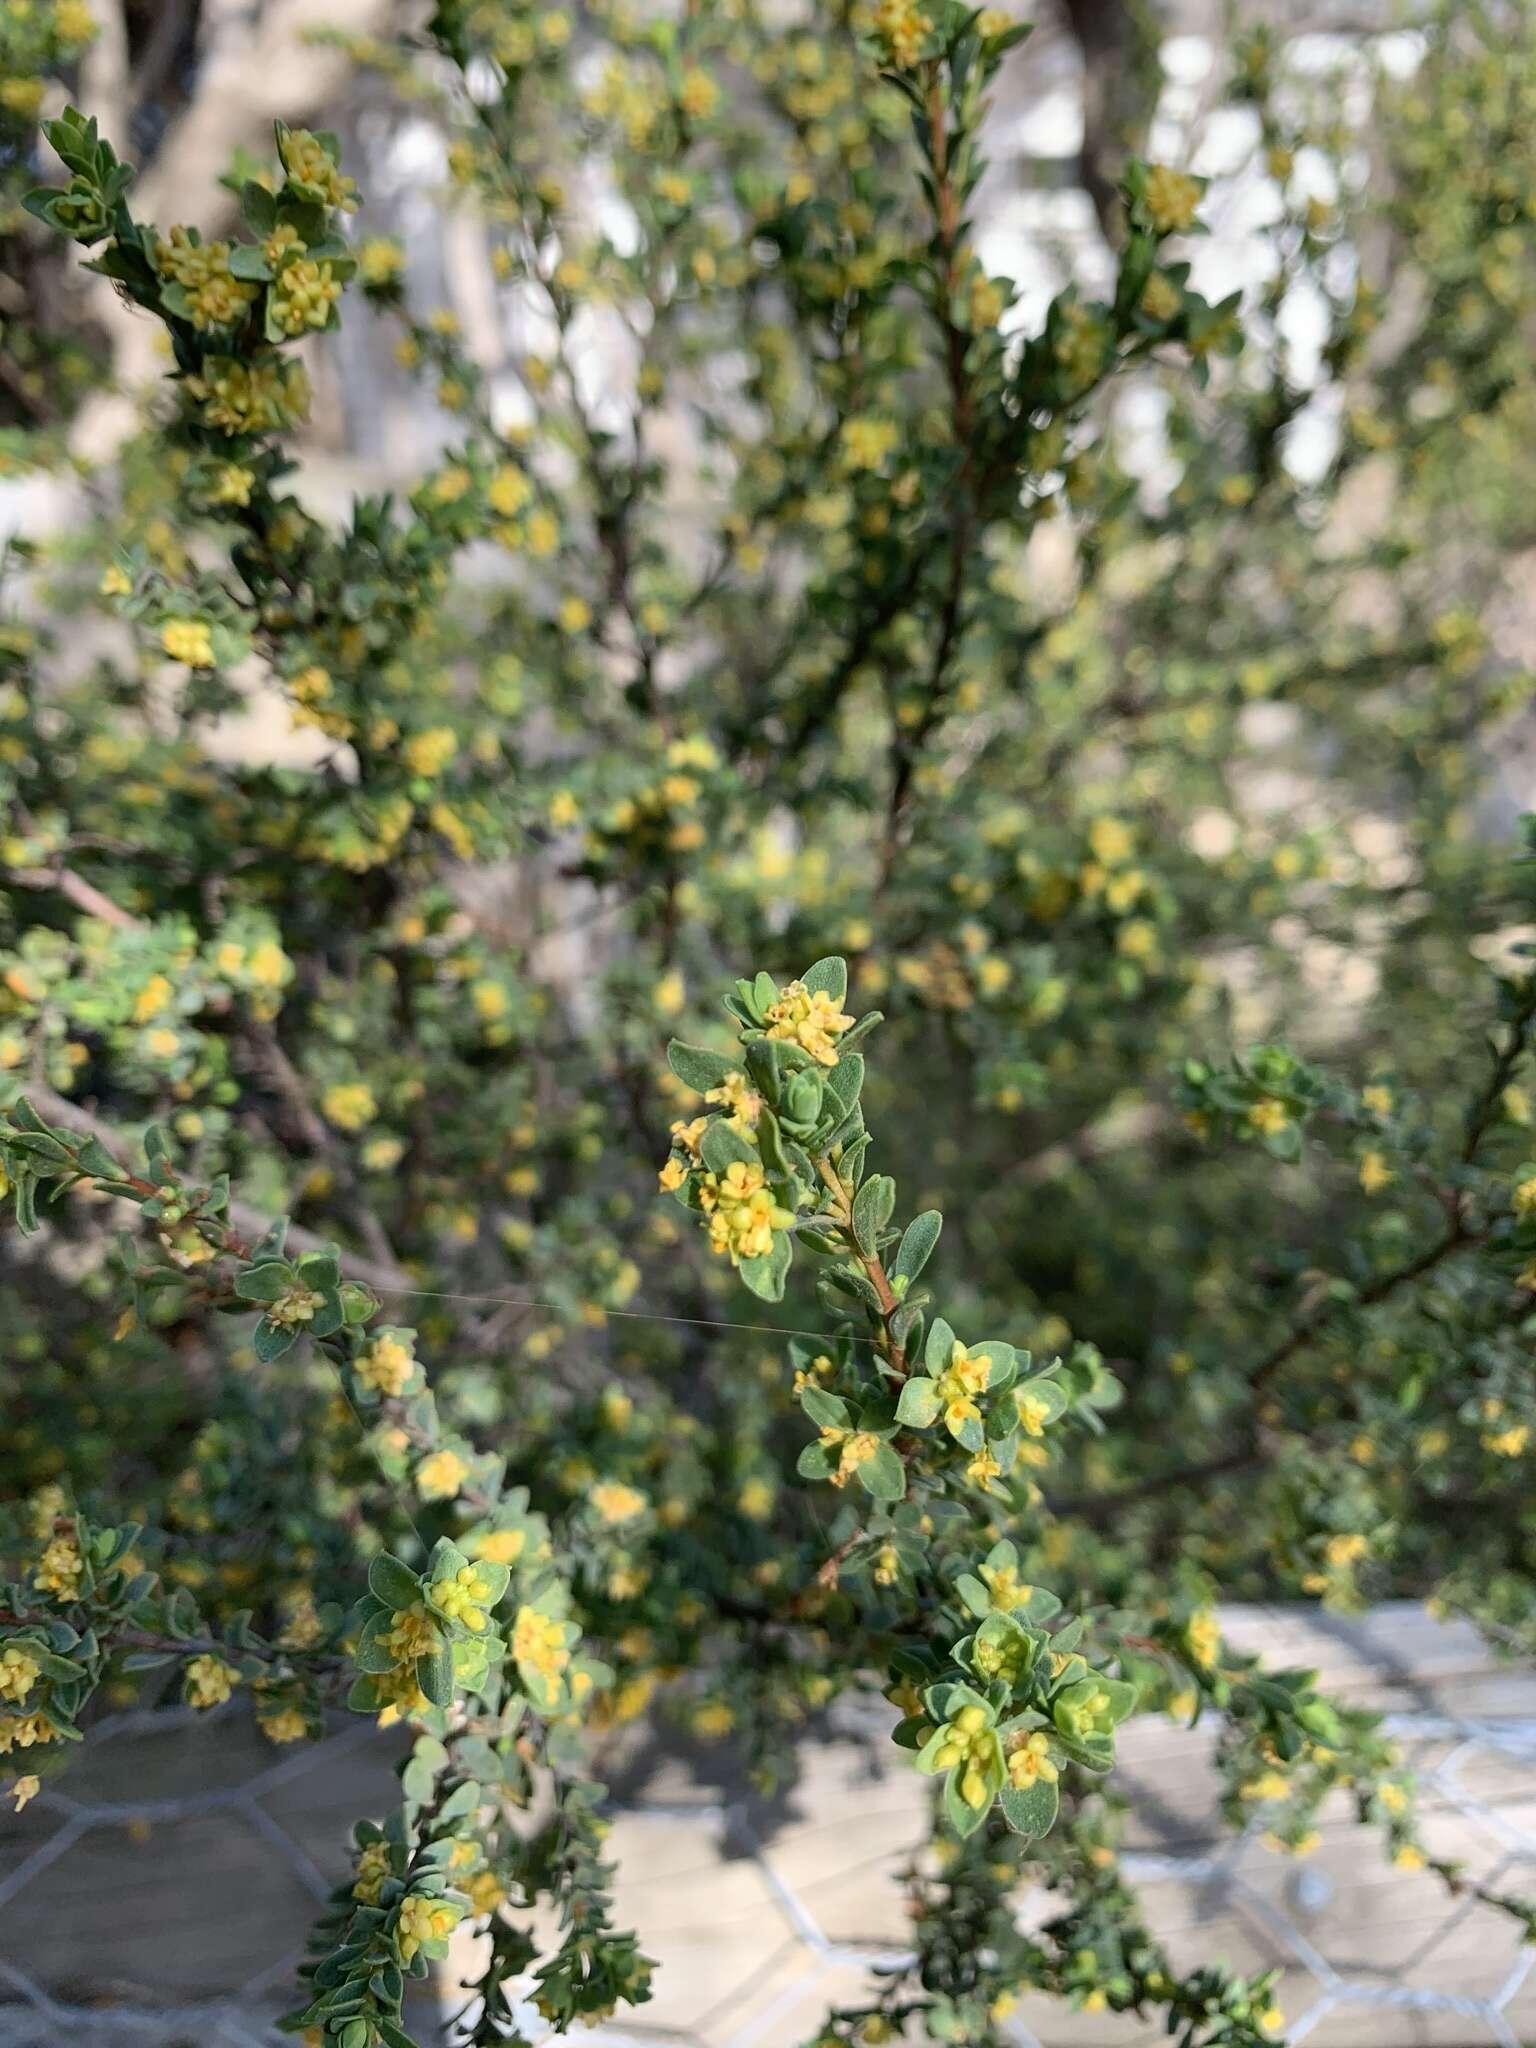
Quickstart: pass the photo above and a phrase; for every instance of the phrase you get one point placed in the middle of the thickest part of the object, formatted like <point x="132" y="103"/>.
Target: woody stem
<point x="874" y="1270"/>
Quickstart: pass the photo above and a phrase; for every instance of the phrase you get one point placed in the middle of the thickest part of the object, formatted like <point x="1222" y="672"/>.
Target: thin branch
<point x="252" y="1222"/>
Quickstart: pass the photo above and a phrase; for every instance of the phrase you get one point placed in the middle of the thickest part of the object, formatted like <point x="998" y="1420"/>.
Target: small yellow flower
<point x="868" y="442"/>
<point x="1269" y="1117"/>
<point x="540" y="1642"/>
<point x="380" y="261"/>
<point x="387" y="1365"/>
<point x="187" y="641"/>
<point x="1030" y="1763"/>
<point x="617" y="1503"/>
<point x="1171" y="199"/>
<point x="423" y="1920"/>
<point x="903" y="28"/>
<point x="349" y="1105"/>
<point x="698" y="94"/>
<point x="60" y="1568"/>
<point x="1203" y="1634"/>
<point x="810" y="1021"/>
<point x="1508" y="1443"/>
<point x="1375" y="1174"/>
<point x="285" y="1724"/>
<point x="440" y="1475"/>
<point x="501" y="1546"/>
<point x="742" y="1212"/>
<point x="310" y="165"/>
<point x="19" y="1672"/>
<point x="464" y="1598"/>
<point x="210" y="1681"/>
<point x="428" y="753"/>
<point x="25" y="1790"/>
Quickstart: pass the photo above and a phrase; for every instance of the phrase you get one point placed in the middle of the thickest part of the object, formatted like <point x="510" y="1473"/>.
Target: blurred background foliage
<point x="1209" y="725"/>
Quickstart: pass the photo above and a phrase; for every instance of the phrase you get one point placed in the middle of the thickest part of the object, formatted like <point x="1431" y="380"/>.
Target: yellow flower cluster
<point x="440" y="1475"/>
<point x="210" y="1681"/>
<point x="349" y="1105"/>
<point x="18" y="1673"/>
<point x="903" y="28"/>
<point x="616" y="1502"/>
<point x="736" y="1095"/>
<point x="1203" y="1635"/>
<point x="215" y="297"/>
<point x="854" y="1447"/>
<point x="251" y="398"/>
<point x="187" y="641"/>
<point x="387" y="1365"/>
<point x="1171" y="199"/>
<point x="423" y="1920"/>
<point x="969" y="1741"/>
<point x="372" y="1870"/>
<point x="310" y="164"/>
<point x="809" y="1021"/>
<point x="23" y="1731"/>
<point x="539" y="1642"/>
<point x="1032" y="1411"/>
<point x="60" y="1569"/>
<point x="413" y="1635"/>
<point x="1008" y="1590"/>
<point x="1030" y="1763"/>
<point x="742" y="1212"/>
<point x="283" y="1724"/>
<point x="961" y="1381"/>
<point x="463" y="1598"/>
<point x="305" y="295"/>
<point x="294" y="1307"/>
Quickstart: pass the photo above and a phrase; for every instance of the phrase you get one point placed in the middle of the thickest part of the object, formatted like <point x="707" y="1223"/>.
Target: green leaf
<point x="1032" y="1809"/>
<point x="824" y="1409"/>
<point x="699" y="1068"/>
<point x="872" y="1207"/>
<point x="264" y="1283"/>
<point x="247" y="262"/>
<point x="1046" y="1400"/>
<point x="883" y="1476"/>
<point x="941" y="1342"/>
<point x="845" y="1080"/>
<point x="765" y="1276"/>
<point x="962" y="1817"/>
<point x="917" y="1243"/>
<point x="328" y="1317"/>
<point x="271" y="1340"/>
<point x="392" y="1581"/>
<point x="828" y="977"/>
<point x="370" y="1655"/>
<point x="722" y="1148"/>
<point x="919" y="1404"/>
<point x="434" y="1674"/>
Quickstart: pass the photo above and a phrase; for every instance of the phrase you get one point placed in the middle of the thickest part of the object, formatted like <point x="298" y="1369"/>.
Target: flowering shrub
<point x="354" y="1360"/>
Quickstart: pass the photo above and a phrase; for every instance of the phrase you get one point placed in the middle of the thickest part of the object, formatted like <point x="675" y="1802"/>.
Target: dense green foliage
<point x="351" y="1357"/>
